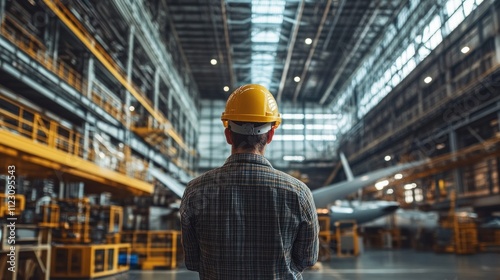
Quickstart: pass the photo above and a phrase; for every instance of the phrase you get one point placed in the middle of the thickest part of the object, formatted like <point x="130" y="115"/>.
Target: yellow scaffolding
<point x="347" y="229"/>
<point x="27" y="136"/>
<point x="155" y="248"/>
<point x="32" y="252"/>
<point x="11" y="207"/>
<point x="88" y="261"/>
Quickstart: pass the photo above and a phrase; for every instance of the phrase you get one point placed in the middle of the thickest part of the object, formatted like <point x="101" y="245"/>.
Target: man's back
<point x="247" y="220"/>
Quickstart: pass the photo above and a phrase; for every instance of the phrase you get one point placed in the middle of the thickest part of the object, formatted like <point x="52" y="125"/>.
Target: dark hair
<point x="249" y="142"/>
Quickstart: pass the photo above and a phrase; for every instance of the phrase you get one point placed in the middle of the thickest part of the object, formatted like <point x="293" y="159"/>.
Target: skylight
<point x="267" y="17"/>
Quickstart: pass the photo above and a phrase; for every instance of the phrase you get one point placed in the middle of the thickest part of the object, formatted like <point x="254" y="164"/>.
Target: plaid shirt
<point x="246" y="220"/>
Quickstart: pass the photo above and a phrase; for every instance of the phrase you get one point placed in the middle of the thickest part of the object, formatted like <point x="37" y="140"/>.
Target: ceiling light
<point x="293" y="158"/>
<point x="440" y="146"/>
<point x="293" y="126"/>
<point x="380" y="185"/>
<point x="213" y="61"/>
<point x="465" y="49"/>
<point x="387" y="158"/>
<point x="226" y="88"/>
<point x="32" y="2"/>
<point x="308" y="41"/>
<point x="410" y="186"/>
<point x="131" y="108"/>
<point x="427" y="79"/>
<point x="390" y="191"/>
<point x="296" y="79"/>
<point x="398" y="176"/>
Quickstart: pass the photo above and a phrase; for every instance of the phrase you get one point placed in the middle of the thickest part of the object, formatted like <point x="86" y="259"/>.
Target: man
<point x="247" y="220"/>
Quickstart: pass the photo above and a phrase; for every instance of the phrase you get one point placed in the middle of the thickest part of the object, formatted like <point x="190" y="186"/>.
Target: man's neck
<point x="241" y="151"/>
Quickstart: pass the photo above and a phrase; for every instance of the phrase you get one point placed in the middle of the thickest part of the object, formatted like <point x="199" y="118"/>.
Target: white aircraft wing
<point x="328" y="194"/>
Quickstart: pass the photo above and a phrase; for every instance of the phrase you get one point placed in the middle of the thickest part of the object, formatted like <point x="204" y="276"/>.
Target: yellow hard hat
<point x="251" y="103"/>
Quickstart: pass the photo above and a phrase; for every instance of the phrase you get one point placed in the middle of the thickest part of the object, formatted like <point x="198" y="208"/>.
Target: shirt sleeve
<point x="306" y="245"/>
<point x="189" y="239"/>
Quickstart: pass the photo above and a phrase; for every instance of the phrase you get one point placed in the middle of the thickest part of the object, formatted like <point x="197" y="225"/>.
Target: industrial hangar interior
<point x="109" y="108"/>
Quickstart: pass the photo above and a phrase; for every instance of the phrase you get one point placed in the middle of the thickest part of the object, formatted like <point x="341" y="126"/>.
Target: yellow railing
<point x="155" y="248"/>
<point x="31" y="124"/>
<point x="7" y="209"/>
<point x="31" y="45"/>
<point x="28" y="123"/>
<point x="105" y="100"/>
<point x="12" y="30"/>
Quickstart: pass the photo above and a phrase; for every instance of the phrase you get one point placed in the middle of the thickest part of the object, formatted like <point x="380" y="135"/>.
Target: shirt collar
<point x="247" y="158"/>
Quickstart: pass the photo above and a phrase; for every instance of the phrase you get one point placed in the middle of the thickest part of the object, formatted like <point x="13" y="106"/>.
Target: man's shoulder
<point x="202" y="179"/>
<point x="292" y="181"/>
<point x="220" y="175"/>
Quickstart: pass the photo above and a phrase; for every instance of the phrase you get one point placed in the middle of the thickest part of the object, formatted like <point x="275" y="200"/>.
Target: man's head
<point x="250" y="118"/>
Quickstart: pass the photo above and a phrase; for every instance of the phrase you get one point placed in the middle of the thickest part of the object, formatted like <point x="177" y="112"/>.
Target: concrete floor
<point x="374" y="265"/>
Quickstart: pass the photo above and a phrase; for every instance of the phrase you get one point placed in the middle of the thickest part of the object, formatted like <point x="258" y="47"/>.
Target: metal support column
<point x="457" y="176"/>
<point x="130" y="59"/>
<point x="498" y="118"/>
<point x="2" y="10"/>
<point x="86" y="140"/>
<point x="55" y="42"/>
<point x="170" y="115"/>
<point x="156" y="91"/>
<point x="489" y="177"/>
<point x="61" y="189"/>
<point x="437" y="193"/>
<point x="496" y="26"/>
<point x="90" y="76"/>
<point x="169" y="106"/>
<point x="190" y="141"/>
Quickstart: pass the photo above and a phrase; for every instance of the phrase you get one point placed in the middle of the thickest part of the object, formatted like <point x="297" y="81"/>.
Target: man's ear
<point x="270" y="135"/>
<point x="229" y="137"/>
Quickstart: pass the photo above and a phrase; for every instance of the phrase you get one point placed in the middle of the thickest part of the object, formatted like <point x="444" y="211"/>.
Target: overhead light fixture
<point x="226" y="88"/>
<point x="308" y="41"/>
<point x="131" y="108"/>
<point x="390" y="191"/>
<point x="380" y="185"/>
<point x="32" y="2"/>
<point x="387" y="158"/>
<point x="296" y="79"/>
<point x="213" y="61"/>
<point x="440" y="146"/>
<point x="293" y="158"/>
<point x="398" y="176"/>
<point x="465" y="49"/>
<point x="410" y="186"/>
<point x="427" y="79"/>
<point x="293" y="126"/>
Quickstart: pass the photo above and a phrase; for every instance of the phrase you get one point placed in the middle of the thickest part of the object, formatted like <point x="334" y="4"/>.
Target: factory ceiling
<point x="304" y="51"/>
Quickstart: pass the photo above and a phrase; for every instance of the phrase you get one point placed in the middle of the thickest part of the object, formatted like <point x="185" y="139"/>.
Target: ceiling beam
<point x="313" y="48"/>
<point x="232" y="81"/>
<point x="353" y="51"/>
<point x="290" y="49"/>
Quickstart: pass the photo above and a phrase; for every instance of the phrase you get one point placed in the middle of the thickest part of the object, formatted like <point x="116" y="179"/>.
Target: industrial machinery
<point x="343" y="238"/>
<point x="154" y="248"/>
<point x="347" y="239"/>
<point x="457" y="233"/>
<point x="88" y="238"/>
<point x="25" y="250"/>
